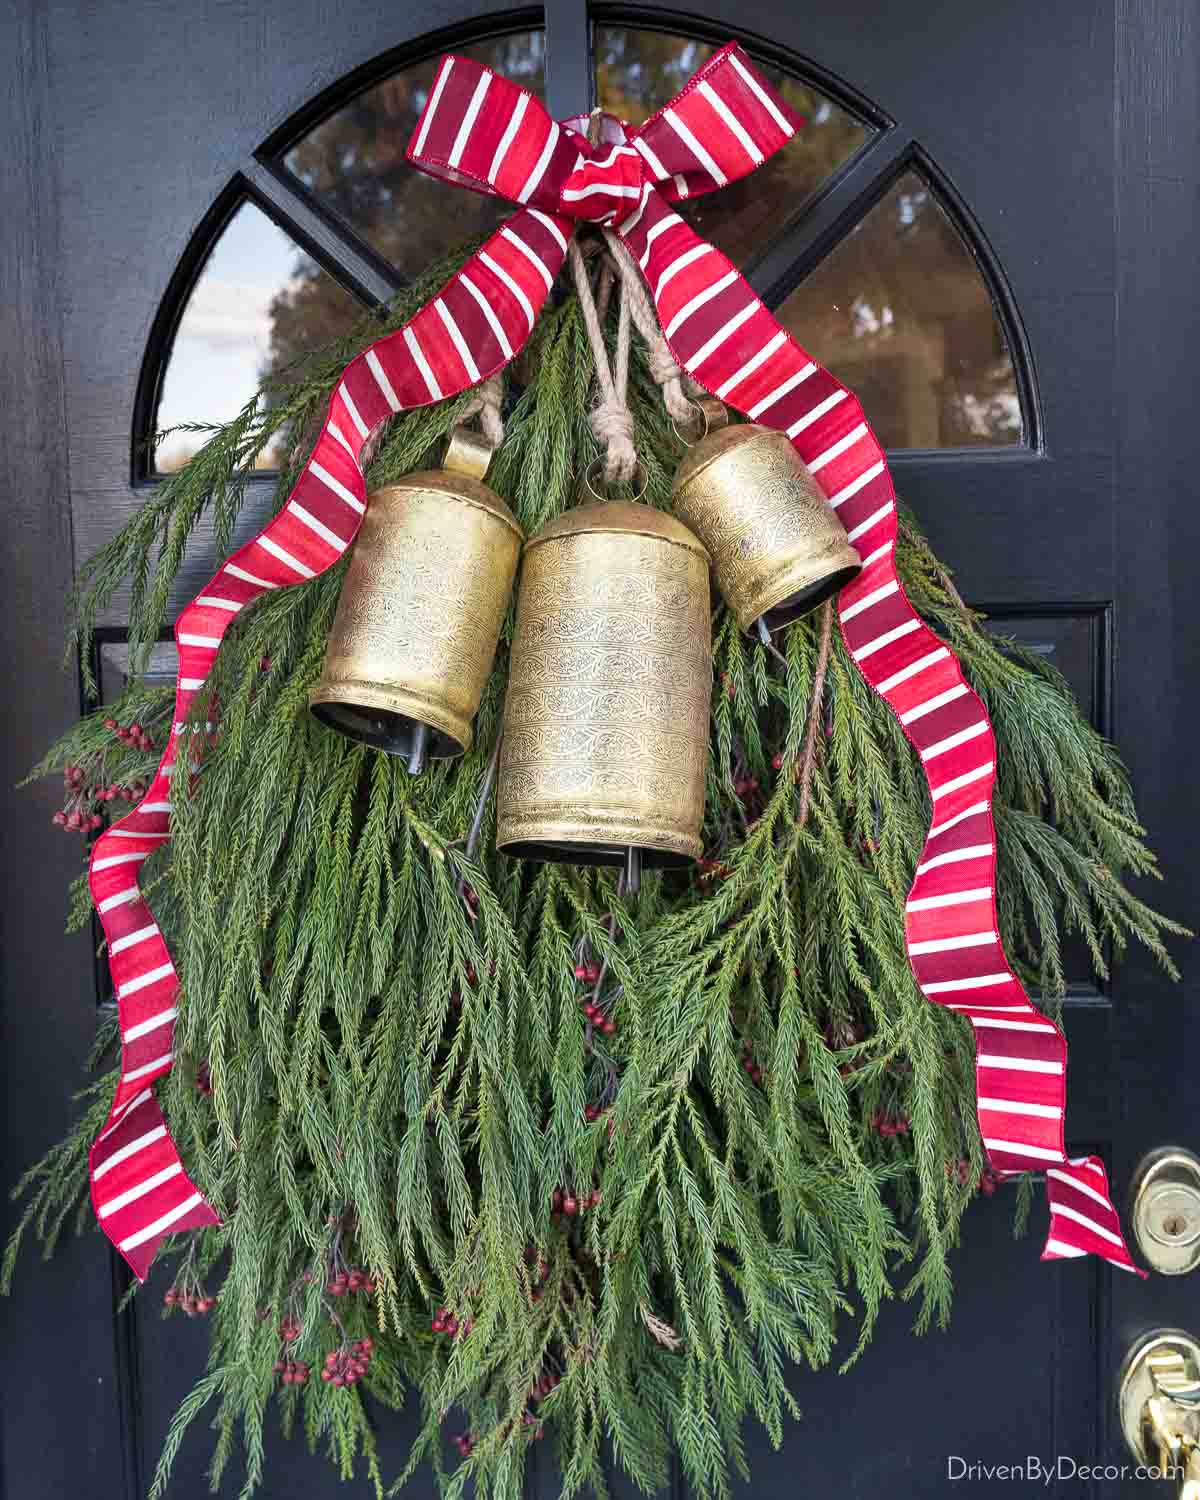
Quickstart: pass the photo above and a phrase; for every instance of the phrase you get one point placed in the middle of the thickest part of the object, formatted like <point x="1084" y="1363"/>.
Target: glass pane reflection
<point x="259" y="303"/>
<point x="637" y="72"/>
<point x="354" y="161"/>
<point x="900" y="312"/>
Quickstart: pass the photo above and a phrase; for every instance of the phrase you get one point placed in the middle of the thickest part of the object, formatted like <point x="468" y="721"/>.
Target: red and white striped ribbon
<point x="487" y="134"/>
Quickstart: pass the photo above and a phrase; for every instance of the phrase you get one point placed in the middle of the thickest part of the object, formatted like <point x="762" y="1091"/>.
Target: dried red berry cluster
<point x="445" y="1322"/>
<point x="961" y="1169"/>
<point x="565" y="1201"/>
<point x="465" y="1444"/>
<point x="348" y="1365"/>
<point x="750" y="1065"/>
<point x="598" y="1016"/>
<point x="890" y="1124"/>
<point x="71" y="815"/>
<point x="189" y="1302"/>
<point x="348" y="1280"/>
<point x="292" y="1371"/>
<point x="132" y="734"/>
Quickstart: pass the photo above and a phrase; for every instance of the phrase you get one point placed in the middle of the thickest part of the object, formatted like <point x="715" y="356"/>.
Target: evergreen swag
<point x="631" y="1158"/>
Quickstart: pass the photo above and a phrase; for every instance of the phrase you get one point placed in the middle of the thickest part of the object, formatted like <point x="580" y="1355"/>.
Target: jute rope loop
<point x="486" y="405"/>
<point x="676" y="387"/>
<point x="611" y="420"/>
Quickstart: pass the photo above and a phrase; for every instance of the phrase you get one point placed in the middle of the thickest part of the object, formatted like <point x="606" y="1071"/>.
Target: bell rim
<point x="353" y="692"/>
<point x="452" y="486"/>
<point x="616" y="828"/>
<point x="569" y="851"/>
<point x="670" y="529"/>
<point x="789" y="580"/>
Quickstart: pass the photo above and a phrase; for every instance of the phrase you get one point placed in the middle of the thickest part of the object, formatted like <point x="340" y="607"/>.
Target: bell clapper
<point x="764" y="636"/>
<point x="416" y="754"/>
<point x="633" y="869"/>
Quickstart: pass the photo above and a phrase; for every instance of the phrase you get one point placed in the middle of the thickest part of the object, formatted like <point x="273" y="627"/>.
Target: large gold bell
<point x="606" y="721"/>
<point x="420" y="612"/>
<point x="777" y="547"/>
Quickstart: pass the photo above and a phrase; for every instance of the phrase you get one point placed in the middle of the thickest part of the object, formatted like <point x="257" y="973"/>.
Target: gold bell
<point x="777" y="547"/>
<point x="606" y="721"/>
<point x="420" y="612"/>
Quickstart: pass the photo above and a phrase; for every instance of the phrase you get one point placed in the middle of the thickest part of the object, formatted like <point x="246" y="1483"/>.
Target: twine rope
<point x="675" y="386"/>
<point x="486" y="405"/>
<point x="610" y="418"/>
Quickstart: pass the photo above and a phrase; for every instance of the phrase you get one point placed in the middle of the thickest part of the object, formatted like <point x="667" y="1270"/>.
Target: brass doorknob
<point x="1166" y="1210"/>
<point x="1158" y="1398"/>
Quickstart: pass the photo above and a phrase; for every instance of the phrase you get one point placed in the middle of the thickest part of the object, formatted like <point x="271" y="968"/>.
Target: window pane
<point x="900" y="312"/>
<point x="354" y="161"/>
<point x="637" y="72"/>
<point x="260" y="302"/>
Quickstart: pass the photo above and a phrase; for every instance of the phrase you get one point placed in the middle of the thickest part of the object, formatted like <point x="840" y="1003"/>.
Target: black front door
<point x="990" y="237"/>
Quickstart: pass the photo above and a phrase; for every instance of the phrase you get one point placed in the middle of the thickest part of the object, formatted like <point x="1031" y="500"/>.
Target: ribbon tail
<point x="728" y="341"/>
<point x="477" y="323"/>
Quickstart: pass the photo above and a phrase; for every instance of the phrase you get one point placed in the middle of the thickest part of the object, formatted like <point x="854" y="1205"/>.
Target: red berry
<point x="608" y="1027"/>
<point x="59" y="820"/>
<point x="327" y="1374"/>
<point x="556" y="1199"/>
<point x="135" y="729"/>
<point x="570" y="1205"/>
<point x="110" y="723"/>
<point x="581" y="971"/>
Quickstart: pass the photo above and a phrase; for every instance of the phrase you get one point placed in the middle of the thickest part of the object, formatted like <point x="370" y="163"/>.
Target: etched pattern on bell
<point x="606" y="721"/>
<point x="420" y="613"/>
<point x="778" y="549"/>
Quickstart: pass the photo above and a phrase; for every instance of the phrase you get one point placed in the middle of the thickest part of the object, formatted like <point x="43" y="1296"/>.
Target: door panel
<point x="127" y="124"/>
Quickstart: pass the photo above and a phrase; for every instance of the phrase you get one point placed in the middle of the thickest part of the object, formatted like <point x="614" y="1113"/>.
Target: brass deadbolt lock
<point x="1166" y="1210"/>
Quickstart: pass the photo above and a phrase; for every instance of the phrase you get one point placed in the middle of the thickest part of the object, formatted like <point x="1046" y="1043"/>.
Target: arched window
<point x="849" y="233"/>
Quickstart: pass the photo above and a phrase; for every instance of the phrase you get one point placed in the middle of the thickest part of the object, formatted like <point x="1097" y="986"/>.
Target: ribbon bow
<point x="484" y="133"/>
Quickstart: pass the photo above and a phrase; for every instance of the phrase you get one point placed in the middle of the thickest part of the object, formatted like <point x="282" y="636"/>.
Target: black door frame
<point x="70" y="1399"/>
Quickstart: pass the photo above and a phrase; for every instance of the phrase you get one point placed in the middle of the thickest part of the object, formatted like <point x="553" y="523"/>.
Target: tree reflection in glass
<point x="637" y="72"/>
<point x="900" y="312"/>
<point x="354" y="161"/>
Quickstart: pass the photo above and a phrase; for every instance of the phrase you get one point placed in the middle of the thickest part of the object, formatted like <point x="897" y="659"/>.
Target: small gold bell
<point x="420" y="612"/>
<point x="606" y="721"/>
<point x="777" y="547"/>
